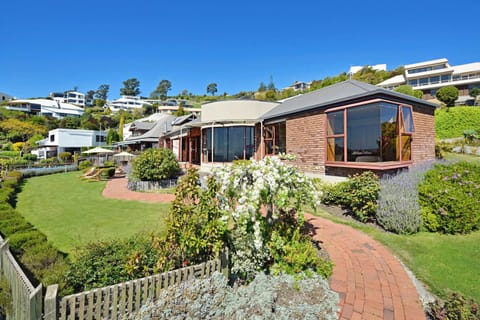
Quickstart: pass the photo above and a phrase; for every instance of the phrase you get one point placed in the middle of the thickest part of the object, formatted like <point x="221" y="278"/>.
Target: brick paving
<point x="370" y="281"/>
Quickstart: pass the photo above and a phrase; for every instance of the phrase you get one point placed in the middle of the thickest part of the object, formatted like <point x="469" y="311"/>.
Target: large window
<point x="377" y="132"/>
<point x="225" y="144"/>
<point x="275" y="136"/>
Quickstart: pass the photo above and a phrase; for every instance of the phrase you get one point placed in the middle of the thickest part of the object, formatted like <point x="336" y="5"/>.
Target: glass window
<point x="435" y="79"/>
<point x="335" y="123"/>
<point x="335" y="149"/>
<point x="407" y="119"/>
<point x="363" y="133"/>
<point x="413" y="83"/>
<point x="446" y="78"/>
<point x="423" y="81"/>
<point x="52" y="138"/>
<point x="275" y="138"/>
<point x="229" y="143"/>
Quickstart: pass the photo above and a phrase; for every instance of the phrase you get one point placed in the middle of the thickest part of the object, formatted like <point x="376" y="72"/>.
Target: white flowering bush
<point x="247" y="190"/>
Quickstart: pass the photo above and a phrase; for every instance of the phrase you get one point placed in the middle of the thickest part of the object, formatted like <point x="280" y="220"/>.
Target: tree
<point x="131" y="87"/>
<point x="162" y="89"/>
<point x="271" y="85"/>
<point x="102" y="92"/>
<point x="408" y="90"/>
<point x="180" y="111"/>
<point x="474" y="93"/>
<point x="121" y="123"/>
<point x="112" y="136"/>
<point x="90" y="94"/>
<point x="212" y="88"/>
<point x="447" y="95"/>
<point x="262" y="87"/>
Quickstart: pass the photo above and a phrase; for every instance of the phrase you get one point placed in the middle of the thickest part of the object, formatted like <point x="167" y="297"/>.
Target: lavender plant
<point x="398" y="206"/>
<point x="266" y="297"/>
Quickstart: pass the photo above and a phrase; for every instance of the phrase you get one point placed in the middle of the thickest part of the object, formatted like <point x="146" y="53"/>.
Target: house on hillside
<point x="45" y="107"/>
<point x="146" y="134"/>
<point x="430" y="76"/>
<point x="5" y="97"/>
<point x="69" y="140"/>
<point x="337" y="130"/>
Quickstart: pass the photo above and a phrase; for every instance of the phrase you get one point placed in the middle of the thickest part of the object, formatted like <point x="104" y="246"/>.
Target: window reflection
<point x="229" y="143"/>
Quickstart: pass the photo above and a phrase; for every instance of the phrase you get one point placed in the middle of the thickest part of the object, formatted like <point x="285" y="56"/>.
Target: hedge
<point x="450" y="123"/>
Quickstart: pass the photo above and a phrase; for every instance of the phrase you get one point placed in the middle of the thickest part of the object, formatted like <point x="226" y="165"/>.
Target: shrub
<point x="455" y="307"/>
<point x="358" y="195"/>
<point x="398" y="207"/>
<point x="194" y="232"/>
<point x="84" y="164"/>
<point x="29" y="245"/>
<point x="30" y="157"/>
<point x="447" y="95"/>
<point x="450" y="198"/>
<point x="107" y="173"/>
<point x="6" y="301"/>
<point x="266" y="297"/>
<point x="103" y="263"/>
<point x="65" y="156"/>
<point x="155" y="164"/>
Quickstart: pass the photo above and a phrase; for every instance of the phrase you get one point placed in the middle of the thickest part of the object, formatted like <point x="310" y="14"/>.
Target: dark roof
<point x="159" y="128"/>
<point x="336" y="93"/>
<point x="142" y="125"/>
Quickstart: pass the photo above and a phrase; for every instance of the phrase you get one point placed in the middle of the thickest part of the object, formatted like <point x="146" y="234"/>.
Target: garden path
<point x="371" y="282"/>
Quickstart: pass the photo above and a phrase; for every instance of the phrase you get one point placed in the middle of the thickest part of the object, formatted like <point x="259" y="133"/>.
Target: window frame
<point x="382" y="165"/>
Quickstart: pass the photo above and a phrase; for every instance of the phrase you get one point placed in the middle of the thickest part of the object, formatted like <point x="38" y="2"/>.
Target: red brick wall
<point x="306" y="140"/>
<point x="423" y="139"/>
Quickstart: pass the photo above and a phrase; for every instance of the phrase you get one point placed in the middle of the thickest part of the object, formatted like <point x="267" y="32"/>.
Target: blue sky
<point x="55" y="45"/>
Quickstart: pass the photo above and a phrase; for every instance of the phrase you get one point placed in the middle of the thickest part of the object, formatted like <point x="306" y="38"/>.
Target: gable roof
<point x="336" y="93"/>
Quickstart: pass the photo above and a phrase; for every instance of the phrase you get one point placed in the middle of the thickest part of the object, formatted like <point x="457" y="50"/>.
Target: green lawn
<point x="72" y="212"/>
<point x="462" y="157"/>
<point x="443" y="262"/>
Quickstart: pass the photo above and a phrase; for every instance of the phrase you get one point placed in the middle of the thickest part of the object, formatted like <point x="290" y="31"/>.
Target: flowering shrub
<point x="155" y="164"/>
<point x="358" y="194"/>
<point x="266" y="297"/>
<point x="195" y="233"/>
<point x="450" y="198"/>
<point x="398" y="207"/>
<point x="455" y="307"/>
<point x="244" y="190"/>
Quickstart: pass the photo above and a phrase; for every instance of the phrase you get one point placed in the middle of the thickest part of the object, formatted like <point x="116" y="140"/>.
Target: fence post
<point x="224" y="261"/>
<point x="51" y="302"/>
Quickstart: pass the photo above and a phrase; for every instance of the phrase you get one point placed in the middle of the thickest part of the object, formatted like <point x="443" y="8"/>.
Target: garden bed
<point x="146" y="186"/>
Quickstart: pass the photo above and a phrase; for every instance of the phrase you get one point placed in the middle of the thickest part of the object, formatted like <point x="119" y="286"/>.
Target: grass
<point x="444" y="263"/>
<point x="72" y="212"/>
<point x="462" y="157"/>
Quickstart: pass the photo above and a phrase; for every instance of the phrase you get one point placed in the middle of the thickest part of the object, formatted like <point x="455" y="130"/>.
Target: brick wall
<point x="423" y="139"/>
<point x="306" y="140"/>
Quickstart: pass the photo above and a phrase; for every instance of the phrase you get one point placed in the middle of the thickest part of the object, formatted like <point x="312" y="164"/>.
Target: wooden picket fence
<point x="26" y="299"/>
<point x="119" y="300"/>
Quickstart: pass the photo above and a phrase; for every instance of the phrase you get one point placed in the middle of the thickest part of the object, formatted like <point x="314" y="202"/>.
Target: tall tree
<point x="120" y="127"/>
<point x="212" y="88"/>
<point x="162" y="89"/>
<point x="262" y="87"/>
<point x="271" y="85"/>
<point x="131" y="87"/>
<point x="102" y="92"/>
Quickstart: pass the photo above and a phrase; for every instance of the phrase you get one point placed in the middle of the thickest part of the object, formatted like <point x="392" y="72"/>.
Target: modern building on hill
<point x="69" y="140"/>
<point x="429" y="76"/>
<point x="299" y="86"/>
<point x="338" y="130"/>
<point x="45" y="107"/>
<point x="71" y="97"/>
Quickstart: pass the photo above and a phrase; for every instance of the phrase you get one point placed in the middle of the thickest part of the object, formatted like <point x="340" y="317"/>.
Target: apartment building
<point x="429" y="76"/>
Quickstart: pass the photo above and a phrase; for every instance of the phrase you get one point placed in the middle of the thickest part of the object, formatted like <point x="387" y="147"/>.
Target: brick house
<point x="349" y="127"/>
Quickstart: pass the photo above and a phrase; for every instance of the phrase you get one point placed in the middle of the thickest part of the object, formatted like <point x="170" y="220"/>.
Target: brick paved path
<point x="116" y="188"/>
<point x="372" y="284"/>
